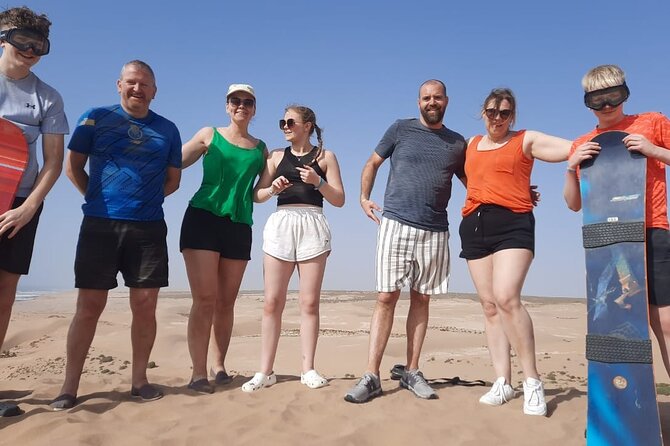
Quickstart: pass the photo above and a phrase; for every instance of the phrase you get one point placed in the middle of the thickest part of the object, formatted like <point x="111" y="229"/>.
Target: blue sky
<point x="358" y="64"/>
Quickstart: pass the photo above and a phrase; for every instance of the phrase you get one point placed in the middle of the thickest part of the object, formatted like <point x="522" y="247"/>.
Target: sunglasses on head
<point x="491" y="113"/>
<point x="24" y="39"/>
<point x="236" y="102"/>
<point x="612" y="96"/>
<point x="290" y="122"/>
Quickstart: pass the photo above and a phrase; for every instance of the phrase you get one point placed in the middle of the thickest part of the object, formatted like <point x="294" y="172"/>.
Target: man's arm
<point x="74" y="169"/>
<point x="172" y="179"/>
<point x="367" y="182"/>
<point x="52" y="151"/>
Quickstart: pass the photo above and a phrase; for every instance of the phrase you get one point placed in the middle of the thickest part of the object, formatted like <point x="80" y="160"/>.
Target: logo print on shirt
<point x="135" y="134"/>
<point x="29" y="105"/>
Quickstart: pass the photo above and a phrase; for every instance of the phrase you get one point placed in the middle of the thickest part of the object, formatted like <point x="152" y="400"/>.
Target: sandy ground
<point x="33" y="359"/>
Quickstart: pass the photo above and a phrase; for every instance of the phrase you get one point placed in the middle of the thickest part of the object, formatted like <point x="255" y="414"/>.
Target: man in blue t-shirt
<point x="37" y="109"/>
<point x="412" y="241"/>
<point x="134" y="158"/>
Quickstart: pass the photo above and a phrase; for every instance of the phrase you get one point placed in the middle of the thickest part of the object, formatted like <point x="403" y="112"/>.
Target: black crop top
<point x="299" y="192"/>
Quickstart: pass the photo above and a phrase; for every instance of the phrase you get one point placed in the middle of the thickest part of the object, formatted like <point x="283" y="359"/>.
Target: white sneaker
<point x="533" y="397"/>
<point x="259" y="381"/>
<point x="500" y="393"/>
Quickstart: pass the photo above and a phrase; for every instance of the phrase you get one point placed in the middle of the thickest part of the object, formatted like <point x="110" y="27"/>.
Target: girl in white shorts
<point x="296" y="235"/>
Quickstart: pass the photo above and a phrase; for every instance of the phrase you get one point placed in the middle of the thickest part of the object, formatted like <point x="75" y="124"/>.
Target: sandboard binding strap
<point x="611" y="349"/>
<point x="597" y="235"/>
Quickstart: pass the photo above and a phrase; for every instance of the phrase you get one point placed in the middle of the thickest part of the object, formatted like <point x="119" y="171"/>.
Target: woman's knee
<point x="508" y="303"/>
<point x="273" y="305"/>
<point x="309" y="307"/>
<point x="489" y="308"/>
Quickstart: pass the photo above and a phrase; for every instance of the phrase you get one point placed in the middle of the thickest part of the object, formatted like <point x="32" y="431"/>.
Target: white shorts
<point x="409" y="255"/>
<point x="295" y="234"/>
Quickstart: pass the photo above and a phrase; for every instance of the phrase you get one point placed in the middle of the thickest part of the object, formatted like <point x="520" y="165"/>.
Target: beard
<point x="433" y="116"/>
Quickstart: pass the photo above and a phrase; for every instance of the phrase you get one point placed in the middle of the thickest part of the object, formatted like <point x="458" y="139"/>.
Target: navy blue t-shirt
<point x="423" y="163"/>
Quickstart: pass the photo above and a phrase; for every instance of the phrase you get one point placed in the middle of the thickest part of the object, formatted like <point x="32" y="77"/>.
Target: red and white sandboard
<point x="13" y="162"/>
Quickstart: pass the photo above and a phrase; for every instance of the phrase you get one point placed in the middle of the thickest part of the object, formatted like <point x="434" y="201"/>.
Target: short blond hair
<point x="603" y="76"/>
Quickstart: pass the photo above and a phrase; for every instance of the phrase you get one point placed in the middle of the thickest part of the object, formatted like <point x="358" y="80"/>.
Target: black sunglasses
<point x="491" y="113"/>
<point x="290" y="122"/>
<point x="235" y="102"/>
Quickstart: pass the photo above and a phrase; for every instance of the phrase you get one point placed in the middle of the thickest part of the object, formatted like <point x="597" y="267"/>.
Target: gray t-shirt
<point x="423" y="163"/>
<point x="36" y="108"/>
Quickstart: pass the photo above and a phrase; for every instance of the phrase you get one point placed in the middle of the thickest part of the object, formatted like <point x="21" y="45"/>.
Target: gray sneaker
<point x="413" y="380"/>
<point x="367" y="388"/>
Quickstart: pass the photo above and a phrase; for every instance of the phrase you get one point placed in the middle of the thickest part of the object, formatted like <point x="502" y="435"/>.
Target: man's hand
<point x="369" y="207"/>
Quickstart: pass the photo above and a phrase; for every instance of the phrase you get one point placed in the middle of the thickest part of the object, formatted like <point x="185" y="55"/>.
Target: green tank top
<point x="228" y="178"/>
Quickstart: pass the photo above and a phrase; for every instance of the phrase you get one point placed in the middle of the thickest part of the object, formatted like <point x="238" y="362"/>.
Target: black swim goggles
<point x="24" y="39"/>
<point x="612" y="96"/>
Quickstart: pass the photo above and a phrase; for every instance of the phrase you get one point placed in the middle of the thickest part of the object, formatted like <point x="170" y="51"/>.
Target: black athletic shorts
<point x="203" y="230"/>
<point x="491" y="228"/>
<point x="658" y="266"/>
<point x="137" y="249"/>
<point x="17" y="252"/>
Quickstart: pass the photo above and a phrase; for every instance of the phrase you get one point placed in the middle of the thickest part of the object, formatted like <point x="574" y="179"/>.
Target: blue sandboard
<point x="622" y="408"/>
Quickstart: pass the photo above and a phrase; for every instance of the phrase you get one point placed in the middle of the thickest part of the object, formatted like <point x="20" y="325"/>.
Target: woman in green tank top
<point x="216" y="232"/>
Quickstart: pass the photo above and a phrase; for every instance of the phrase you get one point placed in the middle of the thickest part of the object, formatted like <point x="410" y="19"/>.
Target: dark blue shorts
<point x="17" y="252"/>
<point x="201" y="229"/>
<point x="137" y="249"/>
<point x="491" y="228"/>
<point x="658" y="266"/>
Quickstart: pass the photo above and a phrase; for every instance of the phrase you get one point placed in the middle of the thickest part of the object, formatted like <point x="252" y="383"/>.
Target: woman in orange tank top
<point x="498" y="240"/>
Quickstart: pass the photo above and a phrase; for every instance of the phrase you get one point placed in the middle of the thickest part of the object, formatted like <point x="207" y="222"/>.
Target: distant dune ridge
<point x="33" y="359"/>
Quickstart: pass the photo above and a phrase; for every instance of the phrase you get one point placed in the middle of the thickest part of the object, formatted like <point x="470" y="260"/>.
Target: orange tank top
<point x="500" y="176"/>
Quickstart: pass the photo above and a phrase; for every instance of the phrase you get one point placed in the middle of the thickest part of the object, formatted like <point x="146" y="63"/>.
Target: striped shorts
<point x="409" y="255"/>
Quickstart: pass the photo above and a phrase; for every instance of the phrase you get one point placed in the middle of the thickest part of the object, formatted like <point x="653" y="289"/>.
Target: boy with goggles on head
<point x="37" y="109"/>
<point x="649" y="134"/>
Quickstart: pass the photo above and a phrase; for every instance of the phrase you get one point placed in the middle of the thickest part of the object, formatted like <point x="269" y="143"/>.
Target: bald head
<point x="434" y="82"/>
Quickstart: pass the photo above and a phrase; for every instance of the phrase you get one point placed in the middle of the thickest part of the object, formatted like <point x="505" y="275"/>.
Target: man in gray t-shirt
<point x="412" y="242"/>
<point x="37" y="109"/>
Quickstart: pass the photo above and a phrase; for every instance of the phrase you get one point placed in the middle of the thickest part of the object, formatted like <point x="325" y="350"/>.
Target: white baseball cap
<point x="241" y="87"/>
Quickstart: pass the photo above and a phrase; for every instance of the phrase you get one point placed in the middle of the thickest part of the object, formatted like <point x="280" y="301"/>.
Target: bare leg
<point x="510" y="267"/>
<point x="202" y="268"/>
<point x="311" y="277"/>
<point x="660" y="324"/>
<point x="230" y="278"/>
<point x="143" y="331"/>
<point x="417" y="324"/>
<point x="276" y="274"/>
<point x="90" y="304"/>
<point x="481" y="271"/>
<point x="380" y="328"/>
<point x="8" y="284"/>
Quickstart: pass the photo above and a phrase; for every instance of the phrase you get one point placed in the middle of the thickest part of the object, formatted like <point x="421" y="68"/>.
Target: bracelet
<point x="572" y="170"/>
<point x="321" y="183"/>
<point x="271" y="192"/>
